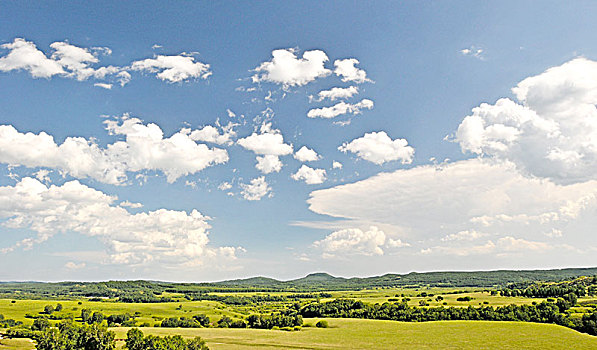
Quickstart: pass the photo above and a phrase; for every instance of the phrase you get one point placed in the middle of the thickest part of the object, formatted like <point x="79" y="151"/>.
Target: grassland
<point x="373" y="334"/>
<point x="342" y="334"/>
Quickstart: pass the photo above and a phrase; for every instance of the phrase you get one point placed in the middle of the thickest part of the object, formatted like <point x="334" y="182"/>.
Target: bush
<point x="322" y="324"/>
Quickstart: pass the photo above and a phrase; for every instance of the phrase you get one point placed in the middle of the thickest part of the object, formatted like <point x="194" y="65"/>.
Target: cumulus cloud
<point x="77" y="62"/>
<point x="337" y="93"/>
<point x="174" y="68"/>
<point x="336" y="165"/>
<point x="354" y="241"/>
<point x="144" y="148"/>
<point x="474" y="195"/>
<point x="256" y="189"/>
<point x="550" y="132"/>
<point x="210" y="133"/>
<point x="349" y="72"/>
<point x="24" y="55"/>
<point x="309" y="175"/>
<point x="378" y="148"/>
<point x="267" y="142"/>
<point x="287" y="69"/>
<point x="164" y="236"/>
<point x="340" y="108"/>
<point x="268" y="164"/>
<point x="67" y="60"/>
<point x="305" y="154"/>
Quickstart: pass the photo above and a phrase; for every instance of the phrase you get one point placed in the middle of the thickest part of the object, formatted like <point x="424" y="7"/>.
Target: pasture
<point x="374" y="334"/>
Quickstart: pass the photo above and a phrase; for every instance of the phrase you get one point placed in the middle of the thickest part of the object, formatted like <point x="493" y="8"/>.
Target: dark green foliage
<point x="543" y="312"/>
<point x="322" y="324"/>
<point x="85" y="315"/>
<point x="137" y="341"/>
<point x="72" y="337"/>
<point x="182" y="322"/>
<point x="40" y="324"/>
<point x="48" y="309"/>
<point x="202" y="320"/>
<point x="119" y="319"/>
<point x="285" y="318"/>
<point x="467" y="298"/>
<point x="579" y="287"/>
<point x="224" y="322"/>
<point x="58" y="307"/>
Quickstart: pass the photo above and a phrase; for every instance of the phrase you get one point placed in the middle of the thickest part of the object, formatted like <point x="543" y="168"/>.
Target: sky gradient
<point x="205" y="141"/>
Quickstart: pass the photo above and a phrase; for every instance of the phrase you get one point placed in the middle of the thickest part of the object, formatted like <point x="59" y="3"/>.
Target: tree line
<point x="544" y="312"/>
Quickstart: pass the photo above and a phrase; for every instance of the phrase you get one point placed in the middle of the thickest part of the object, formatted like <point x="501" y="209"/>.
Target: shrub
<point x="322" y="324"/>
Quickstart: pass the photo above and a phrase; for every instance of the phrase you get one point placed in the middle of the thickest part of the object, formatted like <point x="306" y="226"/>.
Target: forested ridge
<point x="151" y="291"/>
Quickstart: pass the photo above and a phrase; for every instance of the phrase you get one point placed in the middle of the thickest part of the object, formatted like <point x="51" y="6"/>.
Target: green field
<point x="372" y="334"/>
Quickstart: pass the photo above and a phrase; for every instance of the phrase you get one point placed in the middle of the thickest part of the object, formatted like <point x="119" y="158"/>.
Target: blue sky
<point x="162" y="141"/>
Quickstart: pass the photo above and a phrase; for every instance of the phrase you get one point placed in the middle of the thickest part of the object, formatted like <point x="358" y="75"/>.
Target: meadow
<point x="374" y="334"/>
<point x="377" y="323"/>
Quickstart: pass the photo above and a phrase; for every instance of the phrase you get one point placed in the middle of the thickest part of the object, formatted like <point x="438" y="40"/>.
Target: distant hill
<point x="433" y="279"/>
<point x="151" y="291"/>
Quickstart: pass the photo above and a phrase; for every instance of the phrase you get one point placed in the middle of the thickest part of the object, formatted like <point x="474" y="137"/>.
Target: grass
<point x="20" y="344"/>
<point x="374" y="334"/>
<point x="149" y="312"/>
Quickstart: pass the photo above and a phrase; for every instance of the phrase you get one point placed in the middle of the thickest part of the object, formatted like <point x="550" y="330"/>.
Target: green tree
<point x="58" y="307"/>
<point x="97" y="317"/>
<point x="48" y="309"/>
<point x="85" y="315"/>
<point x="134" y="339"/>
<point x="40" y="324"/>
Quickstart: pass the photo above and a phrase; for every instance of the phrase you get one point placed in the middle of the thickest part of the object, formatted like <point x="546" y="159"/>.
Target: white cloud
<point x="131" y="204"/>
<point x="144" y="148"/>
<point x="224" y="186"/>
<point x="309" y="175"/>
<point x="551" y="132"/>
<point x="175" y="68"/>
<point x="503" y="246"/>
<point x="164" y="236"/>
<point x="347" y="70"/>
<point x="74" y="266"/>
<point x="256" y="189"/>
<point x="67" y="61"/>
<point x="268" y="164"/>
<point x="354" y="241"/>
<point x="396" y="243"/>
<point x="340" y="108"/>
<point x="24" y="55"/>
<point x="77" y="62"/>
<point x="286" y="69"/>
<point x="42" y="175"/>
<point x="211" y="134"/>
<point x="554" y="233"/>
<point x="473" y="51"/>
<point x="268" y="142"/>
<point x="466" y="235"/>
<point x="103" y="86"/>
<point x="473" y="195"/>
<point x="336" y="165"/>
<point x="337" y="93"/>
<point x="305" y="154"/>
<point x="378" y="148"/>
